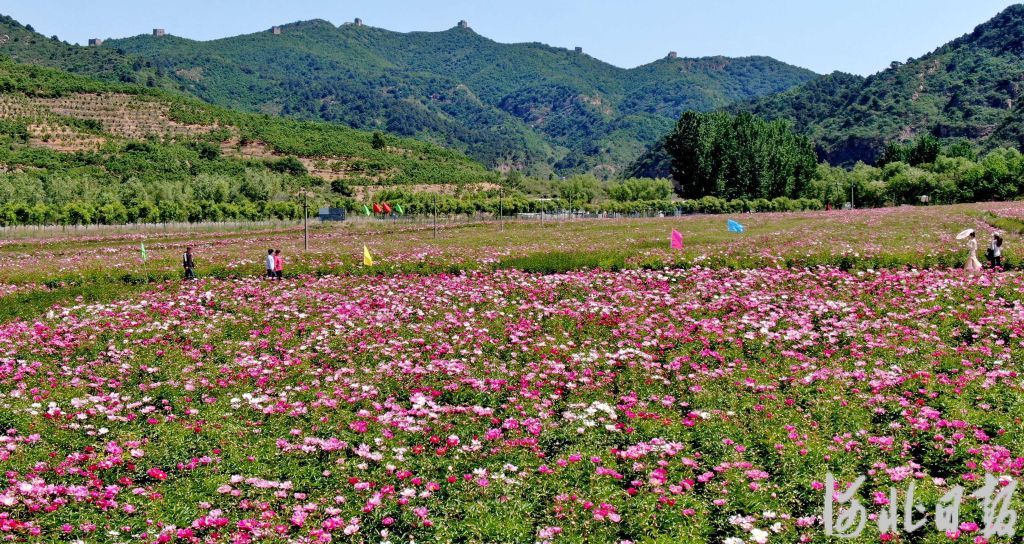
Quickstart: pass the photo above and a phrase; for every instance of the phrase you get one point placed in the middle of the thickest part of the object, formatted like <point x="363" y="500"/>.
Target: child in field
<point x="189" y="264"/>
<point x="278" y="265"/>
<point x="270" y="264"/>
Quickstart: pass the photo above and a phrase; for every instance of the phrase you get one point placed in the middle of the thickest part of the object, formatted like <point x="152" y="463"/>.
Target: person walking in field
<point x="995" y="251"/>
<point x="189" y="264"/>
<point x="278" y="265"/>
<point x="973" y="265"/>
<point x="271" y="262"/>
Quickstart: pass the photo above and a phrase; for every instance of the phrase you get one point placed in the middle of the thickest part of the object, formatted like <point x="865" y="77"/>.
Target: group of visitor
<point x="275" y="264"/>
<point x="994" y="253"/>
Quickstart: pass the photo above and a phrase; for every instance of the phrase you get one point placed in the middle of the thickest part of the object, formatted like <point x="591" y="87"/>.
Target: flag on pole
<point x="145" y="257"/>
<point x="377" y="208"/>
<point x="677" y="239"/>
<point x="735" y="226"/>
<point x="386" y="207"/>
<point x="367" y="259"/>
<point x="398" y="208"/>
<point x="366" y="209"/>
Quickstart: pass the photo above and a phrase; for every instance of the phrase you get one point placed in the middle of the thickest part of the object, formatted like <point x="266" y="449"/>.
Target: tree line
<point x="744" y="157"/>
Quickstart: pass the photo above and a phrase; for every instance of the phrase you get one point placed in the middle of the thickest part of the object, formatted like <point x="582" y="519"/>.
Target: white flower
<point x="733" y="540"/>
<point x="759" y="536"/>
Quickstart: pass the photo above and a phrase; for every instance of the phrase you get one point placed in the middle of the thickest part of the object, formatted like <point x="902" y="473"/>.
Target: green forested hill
<point x="80" y="150"/>
<point x="966" y="89"/>
<point x="527" y="106"/>
<point x="23" y="44"/>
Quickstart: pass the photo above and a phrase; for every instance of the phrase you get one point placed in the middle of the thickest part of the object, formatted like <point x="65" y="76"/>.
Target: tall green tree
<point x="741" y="156"/>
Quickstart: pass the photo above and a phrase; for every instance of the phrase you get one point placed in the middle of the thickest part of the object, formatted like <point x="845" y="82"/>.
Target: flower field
<point x="878" y="238"/>
<point x="704" y="403"/>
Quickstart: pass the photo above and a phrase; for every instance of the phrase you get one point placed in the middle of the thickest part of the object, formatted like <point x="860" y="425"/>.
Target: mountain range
<point x="526" y="106"/>
<point x="968" y="89"/>
<point x="547" y="111"/>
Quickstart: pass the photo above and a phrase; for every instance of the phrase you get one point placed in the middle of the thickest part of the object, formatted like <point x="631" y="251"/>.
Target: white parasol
<point x="964" y="234"/>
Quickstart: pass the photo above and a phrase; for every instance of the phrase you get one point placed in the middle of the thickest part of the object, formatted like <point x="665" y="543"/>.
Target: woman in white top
<point x="973" y="265"/>
<point x="995" y="251"/>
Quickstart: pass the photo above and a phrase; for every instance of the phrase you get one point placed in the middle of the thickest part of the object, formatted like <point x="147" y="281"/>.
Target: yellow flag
<point x="367" y="259"/>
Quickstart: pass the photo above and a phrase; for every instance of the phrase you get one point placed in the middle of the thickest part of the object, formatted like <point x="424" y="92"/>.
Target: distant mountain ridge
<point x="967" y="89"/>
<point x="527" y="106"/>
<point x="23" y="44"/>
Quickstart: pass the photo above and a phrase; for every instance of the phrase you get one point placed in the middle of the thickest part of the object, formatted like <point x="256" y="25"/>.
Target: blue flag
<point x="734" y="226"/>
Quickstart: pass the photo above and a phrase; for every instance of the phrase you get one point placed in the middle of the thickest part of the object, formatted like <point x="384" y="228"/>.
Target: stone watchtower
<point x="275" y="30"/>
<point x="94" y="42"/>
<point x="358" y="22"/>
<point x="463" y="24"/>
<point x="157" y="32"/>
<point x="579" y="50"/>
<point x="673" y="55"/>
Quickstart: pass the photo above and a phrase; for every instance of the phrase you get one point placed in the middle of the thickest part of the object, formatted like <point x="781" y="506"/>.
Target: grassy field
<point x="913" y="236"/>
<point x="572" y="382"/>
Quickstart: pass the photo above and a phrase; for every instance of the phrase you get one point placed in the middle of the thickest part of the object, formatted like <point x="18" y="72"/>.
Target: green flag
<point x="398" y="208"/>
<point x="145" y="257"/>
<point x="366" y="209"/>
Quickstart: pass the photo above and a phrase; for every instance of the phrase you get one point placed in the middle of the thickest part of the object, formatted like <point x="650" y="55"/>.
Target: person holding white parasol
<point x="973" y="264"/>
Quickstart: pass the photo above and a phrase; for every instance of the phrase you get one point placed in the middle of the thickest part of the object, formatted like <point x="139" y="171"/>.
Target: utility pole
<point x="305" y="219"/>
<point x="435" y="215"/>
<point x="501" y="215"/>
<point x="851" y="196"/>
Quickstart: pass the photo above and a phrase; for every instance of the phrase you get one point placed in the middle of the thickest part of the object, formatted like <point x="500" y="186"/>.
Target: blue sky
<point x="861" y="37"/>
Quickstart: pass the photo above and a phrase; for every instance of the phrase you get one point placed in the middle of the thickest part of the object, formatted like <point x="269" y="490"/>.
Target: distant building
<point x="463" y="24"/>
<point x="159" y="32"/>
<point x="579" y="49"/>
<point x="95" y="42"/>
<point x="275" y="30"/>
<point x="332" y="214"/>
<point x="357" y="21"/>
<point x="673" y="55"/>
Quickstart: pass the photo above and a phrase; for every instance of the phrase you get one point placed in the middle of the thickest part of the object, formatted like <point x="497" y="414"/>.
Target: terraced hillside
<point x="124" y="145"/>
<point x="85" y="121"/>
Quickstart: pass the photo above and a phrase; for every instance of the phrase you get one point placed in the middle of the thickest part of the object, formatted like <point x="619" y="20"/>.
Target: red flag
<point x="376" y="208"/>
<point x="385" y="207"/>
<point x="677" y="239"/>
